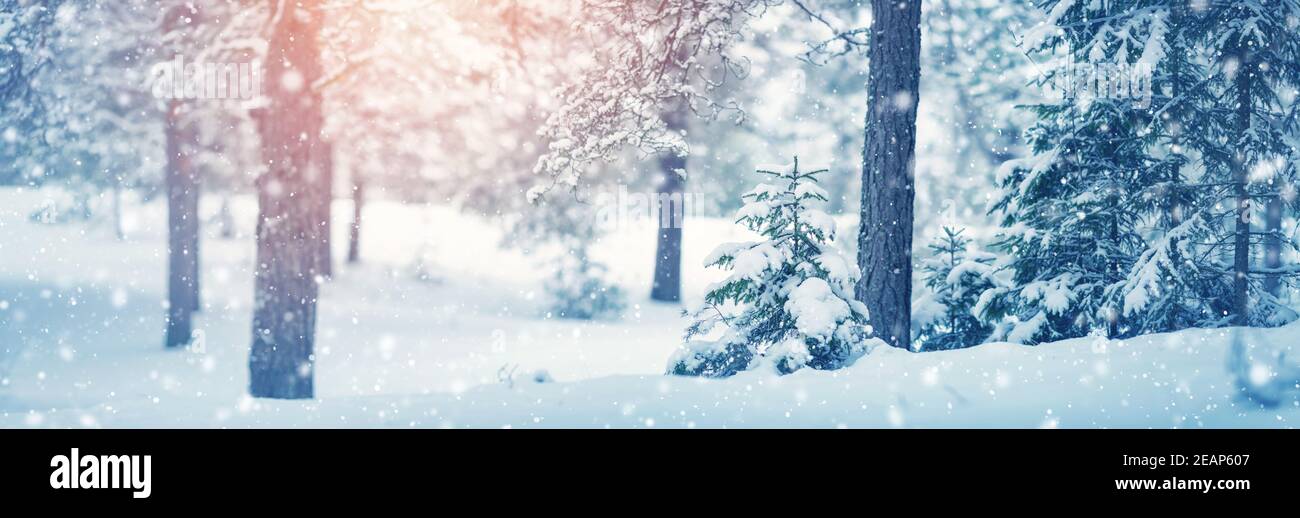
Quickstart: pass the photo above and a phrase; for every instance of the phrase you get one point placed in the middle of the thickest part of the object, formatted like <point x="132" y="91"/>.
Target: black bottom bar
<point x="444" y="467"/>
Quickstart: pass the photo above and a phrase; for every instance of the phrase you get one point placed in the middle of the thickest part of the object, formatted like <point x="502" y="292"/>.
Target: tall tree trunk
<point x="1273" y="244"/>
<point x="285" y="291"/>
<point x="888" y="163"/>
<point x="670" y="199"/>
<point x="182" y="228"/>
<point x="194" y="293"/>
<point x="324" y="197"/>
<point x="354" y="233"/>
<point x="1240" y="177"/>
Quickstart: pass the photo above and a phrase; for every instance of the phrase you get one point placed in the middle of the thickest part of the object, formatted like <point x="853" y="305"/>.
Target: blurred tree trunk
<point x="1273" y="244"/>
<point x="324" y="197"/>
<point x="285" y="289"/>
<point x="226" y="219"/>
<point x="354" y="233"/>
<point x="888" y="162"/>
<point x="182" y="187"/>
<point x="668" y="254"/>
<point x="1240" y="178"/>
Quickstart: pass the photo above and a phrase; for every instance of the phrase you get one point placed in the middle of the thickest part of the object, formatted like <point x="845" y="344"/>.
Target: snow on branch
<point x="646" y="55"/>
<point x="841" y="42"/>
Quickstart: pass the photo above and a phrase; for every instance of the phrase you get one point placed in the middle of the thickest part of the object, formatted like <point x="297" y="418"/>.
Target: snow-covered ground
<point x="81" y="324"/>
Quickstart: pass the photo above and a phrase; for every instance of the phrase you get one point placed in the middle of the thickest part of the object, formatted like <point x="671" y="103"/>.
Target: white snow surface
<point x="81" y="324"/>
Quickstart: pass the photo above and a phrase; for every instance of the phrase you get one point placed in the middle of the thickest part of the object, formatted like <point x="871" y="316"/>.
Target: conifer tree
<point x="1253" y="54"/>
<point x="954" y="278"/>
<point x="1211" y="156"/>
<point x="789" y="298"/>
<point x="1105" y="222"/>
<point x="1173" y="284"/>
<point x="1222" y="121"/>
<point x="1068" y="222"/>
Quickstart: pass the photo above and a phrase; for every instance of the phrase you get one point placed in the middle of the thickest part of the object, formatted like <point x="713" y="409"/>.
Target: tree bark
<point x="1240" y="177"/>
<point x="281" y="363"/>
<point x="354" y="233"/>
<point x="182" y="229"/>
<point x="888" y="162"/>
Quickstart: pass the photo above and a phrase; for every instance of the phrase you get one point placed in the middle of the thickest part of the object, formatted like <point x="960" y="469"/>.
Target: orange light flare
<point x="460" y="87"/>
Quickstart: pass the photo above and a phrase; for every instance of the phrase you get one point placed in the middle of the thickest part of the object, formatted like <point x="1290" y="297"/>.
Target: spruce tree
<point x="1253" y="55"/>
<point x="789" y="298"/>
<point x="1173" y="284"/>
<point x="1117" y="224"/>
<point x="579" y="288"/>
<point x="1223" y="119"/>
<point x="1069" y="225"/>
<point x="954" y="279"/>
<point x="1212" y="157"/>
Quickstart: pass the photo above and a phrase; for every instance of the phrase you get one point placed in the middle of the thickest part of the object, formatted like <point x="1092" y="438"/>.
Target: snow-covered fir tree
<point x="788" y="301"/>
<point x="1252" y="49"/>
<point x="579" y="289"/>
<point x="25" y="33"/>
<point x="1193" y="186"/>
<point x="79" y="81"/>
<point x="1067" y="213"/>
<point x="955" y="276"/>
<point x="1173" y="285"/>
<point x="1226" y="169"/>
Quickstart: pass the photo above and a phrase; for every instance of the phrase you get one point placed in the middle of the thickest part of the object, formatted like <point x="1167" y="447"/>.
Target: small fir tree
<point x="789" y="298"/>
<point x="579" y="289"/>
<point x="954" y="279"/>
